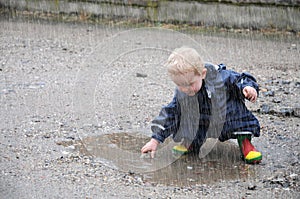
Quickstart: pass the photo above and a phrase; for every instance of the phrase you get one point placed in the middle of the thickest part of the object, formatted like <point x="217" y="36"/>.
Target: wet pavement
<point x="122" y="151"/>
<point x="76" y="101"/>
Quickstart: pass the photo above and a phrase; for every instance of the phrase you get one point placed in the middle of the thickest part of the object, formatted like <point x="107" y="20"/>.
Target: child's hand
<point x="150" y="147"/>
<point x="250" y="93"/>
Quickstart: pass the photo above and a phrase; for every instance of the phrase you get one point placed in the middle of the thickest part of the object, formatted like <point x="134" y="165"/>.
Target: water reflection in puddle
<point x="122" y="151"/>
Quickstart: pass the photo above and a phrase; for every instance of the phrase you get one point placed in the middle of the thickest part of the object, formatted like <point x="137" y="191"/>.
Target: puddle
<point x="122" y="151"/>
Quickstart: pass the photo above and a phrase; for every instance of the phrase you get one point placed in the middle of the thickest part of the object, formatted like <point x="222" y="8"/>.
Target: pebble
<point x="265" y="109"/>
<point x="252" y="187"/>
<point x="141" y="75"/>
<point x="286" y="111"/>
<point x="282" y="111"/>
<point x="296" y="112"/>
<point x="65" y="152"/>
<point x="285" y="82"/>
<point x="276" y="100"/>
<point x="293" y="176"/>
<point x="269" y="93"/>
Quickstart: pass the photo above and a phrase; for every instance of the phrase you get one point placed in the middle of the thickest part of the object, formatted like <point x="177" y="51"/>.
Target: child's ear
<point x="203" y="74"/>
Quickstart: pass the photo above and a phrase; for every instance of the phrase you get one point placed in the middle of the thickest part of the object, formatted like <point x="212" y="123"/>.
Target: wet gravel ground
<point x="44" y="100"/>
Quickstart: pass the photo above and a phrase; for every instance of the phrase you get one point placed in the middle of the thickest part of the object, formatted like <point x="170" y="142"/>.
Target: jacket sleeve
<point x="167" y="122"/>
<point x="240" y="81"/>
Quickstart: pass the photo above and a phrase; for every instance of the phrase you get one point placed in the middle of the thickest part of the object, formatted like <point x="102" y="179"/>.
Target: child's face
<point x="189" y="83"/>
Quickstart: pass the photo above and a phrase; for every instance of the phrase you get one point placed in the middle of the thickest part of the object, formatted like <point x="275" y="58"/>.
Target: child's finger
<point x="144" y="149"/>
<point x="254" y="97"/>
<point x="245" y="92"/>
<point x="152" y="154"/>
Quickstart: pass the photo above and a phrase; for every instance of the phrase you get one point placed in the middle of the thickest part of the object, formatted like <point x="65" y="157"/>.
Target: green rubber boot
<point x="180" y="149"/>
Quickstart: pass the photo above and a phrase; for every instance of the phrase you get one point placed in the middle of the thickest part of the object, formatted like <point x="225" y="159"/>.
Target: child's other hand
<point x="150" y="147"/>
<point x="250" y="93"/>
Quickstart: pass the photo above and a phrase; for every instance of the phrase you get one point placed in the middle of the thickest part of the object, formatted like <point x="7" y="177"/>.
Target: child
<point x="209" y="101"/>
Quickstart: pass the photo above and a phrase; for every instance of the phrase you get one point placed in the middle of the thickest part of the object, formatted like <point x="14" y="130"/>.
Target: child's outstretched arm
<point x="165" y="124"/>
<point x="150" y="146"/>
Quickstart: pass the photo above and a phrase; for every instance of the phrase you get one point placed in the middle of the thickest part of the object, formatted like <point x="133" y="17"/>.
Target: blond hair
<point x="184" y="60"/>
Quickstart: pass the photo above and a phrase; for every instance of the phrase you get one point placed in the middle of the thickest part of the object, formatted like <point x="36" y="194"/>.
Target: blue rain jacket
<point x="218" y="110"/>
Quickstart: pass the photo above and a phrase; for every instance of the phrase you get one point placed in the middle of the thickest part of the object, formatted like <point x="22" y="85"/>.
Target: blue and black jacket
<point x="218" y="110"/>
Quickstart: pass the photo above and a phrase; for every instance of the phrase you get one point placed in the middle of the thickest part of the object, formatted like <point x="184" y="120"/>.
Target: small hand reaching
<point x="151" y="147"/>
<point x="250" y="93"/>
